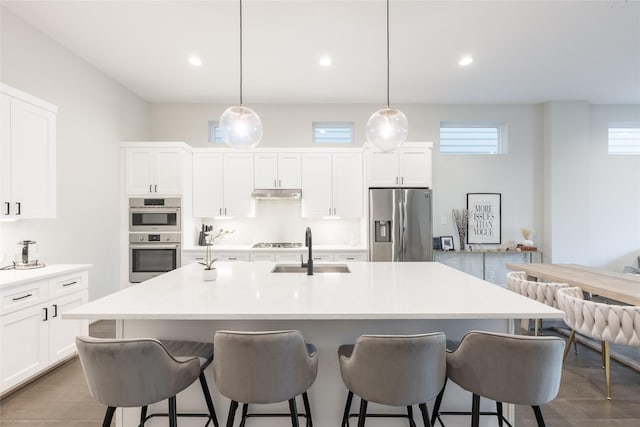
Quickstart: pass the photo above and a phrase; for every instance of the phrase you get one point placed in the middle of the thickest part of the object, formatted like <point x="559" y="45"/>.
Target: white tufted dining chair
<point x="543" y="292"/>
<point x="607" y="323"/>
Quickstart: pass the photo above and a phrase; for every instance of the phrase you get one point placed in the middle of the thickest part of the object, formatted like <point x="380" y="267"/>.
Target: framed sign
<point x="446" y="242"/>
<point x="485" y="223"/>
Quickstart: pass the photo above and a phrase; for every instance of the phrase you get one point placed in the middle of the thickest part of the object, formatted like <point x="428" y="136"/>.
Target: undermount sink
<point x="322" y="268"/>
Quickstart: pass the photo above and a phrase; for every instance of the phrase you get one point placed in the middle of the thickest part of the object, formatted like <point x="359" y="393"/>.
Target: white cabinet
<point x="154" y="170"/>
<point x="408" y="166"/>
<point x="33" y="335"/>
<point x="277" y="170"/>
<point x="27" y="155"/>
<point x="222" y="184"/>
<point x="332" y="185"/>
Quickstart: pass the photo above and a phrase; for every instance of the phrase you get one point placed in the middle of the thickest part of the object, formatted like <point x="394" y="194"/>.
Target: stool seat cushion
<point x="183" y="350"/>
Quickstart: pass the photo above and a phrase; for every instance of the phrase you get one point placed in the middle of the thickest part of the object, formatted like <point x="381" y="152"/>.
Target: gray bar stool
<point x="262" y="368"/>
<point x="394" y="370"/>
<point x="139" y="372"/>
<point x="507" y="368"/>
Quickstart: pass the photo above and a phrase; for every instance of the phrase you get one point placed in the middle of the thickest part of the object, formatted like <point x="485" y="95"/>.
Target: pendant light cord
<point x="241" y="52"/>
<point x="387" y="53"/>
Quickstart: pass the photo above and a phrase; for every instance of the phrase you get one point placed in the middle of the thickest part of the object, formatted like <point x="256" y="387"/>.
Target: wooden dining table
<point x="621" y="287"/>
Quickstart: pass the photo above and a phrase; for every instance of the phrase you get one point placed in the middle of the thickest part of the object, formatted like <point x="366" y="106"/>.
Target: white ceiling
<point x="525" y="51"/>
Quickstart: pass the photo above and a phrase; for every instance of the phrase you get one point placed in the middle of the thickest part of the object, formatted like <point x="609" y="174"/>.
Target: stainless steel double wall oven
<point x="154" y="237"/>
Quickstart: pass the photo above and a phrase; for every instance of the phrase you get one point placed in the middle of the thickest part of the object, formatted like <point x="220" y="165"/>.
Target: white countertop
<point x="249" y="247"/>
<point x="16" y="277"/>
<point x="248" y="290"/>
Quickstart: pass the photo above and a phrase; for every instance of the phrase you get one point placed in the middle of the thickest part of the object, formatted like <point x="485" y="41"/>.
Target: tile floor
<point x="61" y="399"/>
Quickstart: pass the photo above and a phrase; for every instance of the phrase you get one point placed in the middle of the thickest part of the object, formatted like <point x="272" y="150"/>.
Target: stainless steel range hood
<point x="277" y="193"/>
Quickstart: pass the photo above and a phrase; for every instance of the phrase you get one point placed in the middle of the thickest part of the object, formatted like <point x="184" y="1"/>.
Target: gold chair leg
<point x="607" y="368"/>
<point x="535" y="327"/>
<point x="602" y="352"/>
<point x="572" y="337"/>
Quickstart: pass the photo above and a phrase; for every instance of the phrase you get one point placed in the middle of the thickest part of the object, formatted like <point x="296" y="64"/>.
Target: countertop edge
<point x="47" y="272"/>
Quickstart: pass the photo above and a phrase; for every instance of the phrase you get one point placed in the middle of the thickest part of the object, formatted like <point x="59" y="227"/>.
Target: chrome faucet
<point x="307" y="243"/>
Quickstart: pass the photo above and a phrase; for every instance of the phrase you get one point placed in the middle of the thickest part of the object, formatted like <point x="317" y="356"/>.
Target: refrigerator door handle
<point x="404" y="229"/>
<point x="401" y="214"/>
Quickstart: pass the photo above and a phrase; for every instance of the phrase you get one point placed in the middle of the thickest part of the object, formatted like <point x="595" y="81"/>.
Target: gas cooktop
<point x="278" y="245"/>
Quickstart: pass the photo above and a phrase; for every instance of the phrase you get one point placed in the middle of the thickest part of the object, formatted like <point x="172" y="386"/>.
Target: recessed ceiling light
<point x="465" y="60"/>
<point x="195" y="61"/>
<point x="325" y="61"/>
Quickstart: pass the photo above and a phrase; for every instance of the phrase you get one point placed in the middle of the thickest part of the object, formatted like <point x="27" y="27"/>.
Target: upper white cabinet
<point x="408" y="166"/>
<point x="155" y="170"/>
<point x="332" y="185"/>
<point x="277" y="170"/>
<point x="27" y="155"/>
<point x="222" y="184"/>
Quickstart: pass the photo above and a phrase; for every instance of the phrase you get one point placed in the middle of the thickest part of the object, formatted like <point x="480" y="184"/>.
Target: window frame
<point x="635" y="137"/>
<point x="215" y="125"/>
<point x="349" y="125"/>
<point x="502" y="130"/>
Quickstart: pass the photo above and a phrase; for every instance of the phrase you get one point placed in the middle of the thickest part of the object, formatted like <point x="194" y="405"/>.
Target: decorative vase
<point x="462" y="237"/>
<point x="210" y="275"/>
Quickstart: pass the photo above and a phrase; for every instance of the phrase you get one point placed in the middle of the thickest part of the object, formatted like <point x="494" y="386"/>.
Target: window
<point x="473" y="138"/>
<point x="332" y="133"/>
<point x="624" y="138"/>
<point x="214" y="134"/>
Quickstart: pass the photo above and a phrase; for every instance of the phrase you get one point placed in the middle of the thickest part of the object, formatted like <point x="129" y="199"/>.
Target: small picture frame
<point x="446" y="242"/>
<point x="437" y="245"/>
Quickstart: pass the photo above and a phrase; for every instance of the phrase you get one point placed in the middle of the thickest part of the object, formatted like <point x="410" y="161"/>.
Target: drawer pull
<point x="232" y="258"/>
<point x="350" y="258"/>
<point x="22" y="297"/>
<point x="55" y="310"/>
<point x="46" y="314"/>
<point x="64" y="285"/>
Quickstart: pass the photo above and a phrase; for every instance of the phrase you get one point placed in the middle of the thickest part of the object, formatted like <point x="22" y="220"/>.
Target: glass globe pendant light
<point x="240" y="126"/>
<point x="387" y="128"/>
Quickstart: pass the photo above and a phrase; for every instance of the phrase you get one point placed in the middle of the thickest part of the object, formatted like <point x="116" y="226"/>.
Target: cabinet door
<point x="266" y="170"/>
<point x="208" y="174"/>
<point x="415" y="167"/>
<point x="33" y="160"/>
<point x="316" y="185"/>
<point x="168" y="171"/>
<point x="238" y="185"/>
<point x="139" y="170"/>
<point x="384" y="169"/>
<point x="23" y="338"/>
<point x="5" y="156"/>
<point x="289" y="174"/>
<point x="62" y="333"/>
<point x="347" y="185"/>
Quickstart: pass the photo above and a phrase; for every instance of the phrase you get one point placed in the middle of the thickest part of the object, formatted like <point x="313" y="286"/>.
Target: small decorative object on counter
<point x="461" y="219"/>
<point x="210" y="273"/>
<point x="527" y="244"/>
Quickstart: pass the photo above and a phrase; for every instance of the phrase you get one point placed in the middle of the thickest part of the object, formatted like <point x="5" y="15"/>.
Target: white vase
<point x="210" y="275"/>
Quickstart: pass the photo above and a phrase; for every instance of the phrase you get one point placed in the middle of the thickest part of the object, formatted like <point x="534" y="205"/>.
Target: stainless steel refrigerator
<point x="400" y="224"/>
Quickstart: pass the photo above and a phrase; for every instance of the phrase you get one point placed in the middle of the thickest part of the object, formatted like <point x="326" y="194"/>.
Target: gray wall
<point x="94" y="114"/>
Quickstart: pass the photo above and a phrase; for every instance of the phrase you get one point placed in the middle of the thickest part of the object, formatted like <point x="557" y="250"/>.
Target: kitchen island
<point x="329" y="308"/>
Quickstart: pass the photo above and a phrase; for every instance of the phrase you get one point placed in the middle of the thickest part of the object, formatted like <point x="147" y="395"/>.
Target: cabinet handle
<point x="64" y="285"/>
<point x="22" y="297"/>
<point x="279" y="183"/>
<point x="220" y="211"/>
<point x="8" y="205"/>
<point x="334" y="211"/>
<point x="232" y="258"/>
<point x="329" y="211"/>
<point x="150" y="191"/>
<point x="350" y="258"/>
<point x="46" y="314"/>
<point x="274" y="183"/>
<point x="55" y="310"/>
<point x="402" y="180"/>
<point x="225" y="211"/>
<point x="396" y="179"/>
<point x="156" y="187"/>
<point x="19" y="208"/>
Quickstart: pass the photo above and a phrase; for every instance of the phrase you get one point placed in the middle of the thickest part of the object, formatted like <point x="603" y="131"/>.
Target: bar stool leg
<point x="294" y="412"/>
<point x="232" y="413"/>
<point x="207" y="398"/>
<point x="108" y="416"/>
<point x="572" y="337"/>
<point x="425" y="414"/>
<point x="363" y="413"/>
<point x="347" y="408"/>
<point x="173" y="419"/>
<point x="539" y="419"/>
<point x="475" y="411"/>
<point x="307" y="409"/>
<point x="245" y="410"/>
<point x="500" y="416"/>
<point x="438" y="402"/>
<point x="143" y="415"/>
<point x="412" y="423"/>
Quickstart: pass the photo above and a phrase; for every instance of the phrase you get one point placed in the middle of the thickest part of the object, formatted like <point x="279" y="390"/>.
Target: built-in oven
<point x="159" y="214"/>
<point x="152" y="254"/>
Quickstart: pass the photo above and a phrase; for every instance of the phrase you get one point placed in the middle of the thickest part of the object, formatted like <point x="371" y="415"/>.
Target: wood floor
<point x="61" y="399"/>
